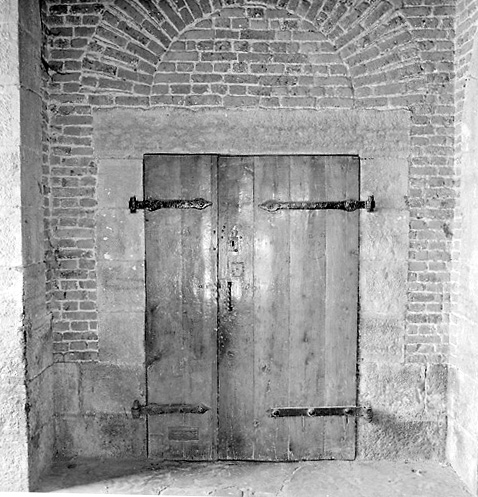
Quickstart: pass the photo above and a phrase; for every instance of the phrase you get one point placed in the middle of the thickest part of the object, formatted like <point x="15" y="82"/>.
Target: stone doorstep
<point x="244" y="479"/>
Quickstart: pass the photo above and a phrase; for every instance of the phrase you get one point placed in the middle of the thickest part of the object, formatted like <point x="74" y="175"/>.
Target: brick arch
<point x="371" y="41"/>
<point x="397" y="54"/>
<point x="252" y="56"/>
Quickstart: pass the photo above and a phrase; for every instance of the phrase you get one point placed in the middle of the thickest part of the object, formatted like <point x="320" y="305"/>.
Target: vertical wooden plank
<point x="288" y="334"/>
<point x="181" y="306"/>
<point x="341" y="306"/>
<point x="199" y="315"/>
<point x="236" y="313"/>
<point x="307" y="307"/>
<point x="271" y="308"/>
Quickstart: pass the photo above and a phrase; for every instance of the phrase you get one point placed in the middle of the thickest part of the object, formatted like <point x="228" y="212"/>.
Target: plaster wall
<point x="462" y="444"/>
<point x="408" y="399"/>
<point x="13" y="395"/>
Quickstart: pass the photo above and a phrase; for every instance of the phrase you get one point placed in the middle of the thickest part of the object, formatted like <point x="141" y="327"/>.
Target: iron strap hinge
<point x="363" y="411"/>
<point x="344" y="205"/>
<point x="154" y="409"/>
<point x="152" y="204"/>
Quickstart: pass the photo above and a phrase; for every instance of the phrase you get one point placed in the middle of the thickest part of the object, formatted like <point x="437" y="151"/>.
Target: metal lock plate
<point x="237" y="269"/>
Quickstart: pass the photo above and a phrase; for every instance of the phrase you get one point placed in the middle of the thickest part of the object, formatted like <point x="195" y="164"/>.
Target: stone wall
<point x="37" y="330"/>
<point x="282" y="55"/>
<point x="462" y="444"/>
<point x="13" y="418"/>
<point x="26" y="376"/>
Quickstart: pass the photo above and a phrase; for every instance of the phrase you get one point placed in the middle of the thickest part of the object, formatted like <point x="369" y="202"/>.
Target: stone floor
<point x="242" y="479"/>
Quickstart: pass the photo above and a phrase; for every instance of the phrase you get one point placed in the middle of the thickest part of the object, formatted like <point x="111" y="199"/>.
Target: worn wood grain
<point x="271" y="308"/>
<point x="181" y="306"/>
<point x="236" y="312"/>
<point x="285" y="307"/>
<point x="307" y="308"/>
<point x="342" y="177"/>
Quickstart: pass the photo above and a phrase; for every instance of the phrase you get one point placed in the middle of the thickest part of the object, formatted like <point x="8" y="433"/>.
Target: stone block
<point x="391" y="437"/>
<point x="465" y="335"/>
<point x="383" y="288"/>
<point x="108" y="388"/>
<point x="394" y="389"/>
<point x="9" y="9"/>
<point x="10" y="186"/>
<point x="66" y="398"/>
<point x="9" y="64"/>
<point x="11" y="322"/>
<point x="39" y="346"/>
<point x="40" y="399"/>
<point x="12" y="409"/>
<point x="118" y="180"/>
<point x="11" y="352"/>
<point x="436" y="382"/>
<point x="387" y="180"/>
<point x="31" y="127"/>
<point x="10" y="122"/>
<point x="120" y="235"/>
<point x="11" y="237"/>
<point x="31" y="179"/>
<point x="384" y="236"/>
<point x="33" y="237"/>
<point x="14" y="464"/>
<point x="30" y="58"/>
<point x="29" y="18"/>
<point x="462" y="400"/>
<point x="11" y="289"/>
<point x="468" y="264"/>
<point x="121" y="286"/>
<point x="124" y="133"/>
<point x="101" y="436"/>
<point x="121" y="337"/>
<point x="34" y="298"/>
<point x="40" y="424"/>
<point x="42" y="451"/>
<point x="381" y="339"/>
<point x="462" y="454"/>
<point x="384" y="248"/>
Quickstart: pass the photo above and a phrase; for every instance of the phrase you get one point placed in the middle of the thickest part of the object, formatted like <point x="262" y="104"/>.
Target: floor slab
<point x="245" y="479"/>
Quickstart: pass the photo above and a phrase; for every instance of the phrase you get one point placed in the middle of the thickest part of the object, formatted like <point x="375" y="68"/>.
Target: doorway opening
<point x="251" y="308"/>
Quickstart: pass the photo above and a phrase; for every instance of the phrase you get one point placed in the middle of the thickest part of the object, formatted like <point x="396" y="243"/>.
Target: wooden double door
<point x="249" y="310"/>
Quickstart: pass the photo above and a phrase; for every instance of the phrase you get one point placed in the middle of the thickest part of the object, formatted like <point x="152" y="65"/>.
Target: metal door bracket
<point x="363" y="411"/>
<point x="344" y="205"/>
<point x="154" y="409"/>
<point x="153" y="204"/>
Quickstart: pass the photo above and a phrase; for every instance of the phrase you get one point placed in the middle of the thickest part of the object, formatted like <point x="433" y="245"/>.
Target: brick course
<point x="283" y="54"/>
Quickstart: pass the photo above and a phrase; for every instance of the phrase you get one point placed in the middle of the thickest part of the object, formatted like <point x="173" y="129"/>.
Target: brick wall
<point x="275" y="54"/>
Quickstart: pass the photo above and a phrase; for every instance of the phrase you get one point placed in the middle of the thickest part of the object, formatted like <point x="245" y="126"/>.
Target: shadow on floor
<point x="248" y="479"/>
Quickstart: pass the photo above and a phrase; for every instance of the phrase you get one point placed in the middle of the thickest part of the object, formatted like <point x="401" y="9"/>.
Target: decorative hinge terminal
<point x="153" y="204"/>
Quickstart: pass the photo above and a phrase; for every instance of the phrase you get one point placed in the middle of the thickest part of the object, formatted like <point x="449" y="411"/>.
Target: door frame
<point x="214" y="161"/>
<point x="122" y="136"/>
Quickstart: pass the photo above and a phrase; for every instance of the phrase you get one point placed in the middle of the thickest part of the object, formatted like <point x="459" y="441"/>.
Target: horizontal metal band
<point x="281" y="412"/>
<point x="154" y="204"/>
<point x="156" y="409"/>
<point x="344" y="205"/>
